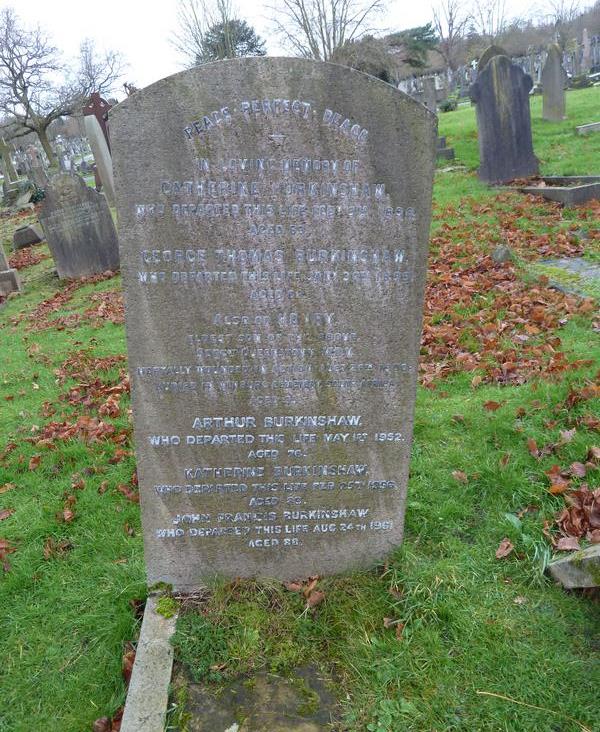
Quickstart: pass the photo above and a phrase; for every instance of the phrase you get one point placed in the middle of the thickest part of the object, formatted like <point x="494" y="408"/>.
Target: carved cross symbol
<point x="99" y="108"/>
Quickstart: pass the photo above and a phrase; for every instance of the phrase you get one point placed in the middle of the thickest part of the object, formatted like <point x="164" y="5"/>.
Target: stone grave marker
<point x="501" y="96"/>
<point x="102" y="156"/>
<point x="429" y="98"/>
<point x="9" y="278"/>
<point x="586" y="51"/>
<point x="98" y="108"/>
<point x="26" y="236"/>
<point x="79" y="228"/>
<point x="554" y="81"/>
<point x="273" y="223"/>
<point x="488" y="55"/>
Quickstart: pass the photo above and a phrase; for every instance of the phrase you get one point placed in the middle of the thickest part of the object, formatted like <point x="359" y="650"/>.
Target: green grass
<point x="471" y="622"/>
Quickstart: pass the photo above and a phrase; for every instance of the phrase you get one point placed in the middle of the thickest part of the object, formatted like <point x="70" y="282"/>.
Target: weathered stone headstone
<point x="26" y="236"/>
<point x="102" y="157"/>
<point x="586" y="51"/>
<point x="501" y="95"/>
<point x="36" y="171"/>
<point x="443" y="152"/>
<point x="273" y="221"/>
<point x="429" y="98"/>
<point x="79" y="228"/>
<point x="10" y="174"/>
<point x="9" y="278"/>
<point x="488" y="55"/>
<point x="554" y="80"/>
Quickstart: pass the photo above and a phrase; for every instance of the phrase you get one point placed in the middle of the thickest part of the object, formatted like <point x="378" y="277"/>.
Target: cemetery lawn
<point x="444" y="635"/>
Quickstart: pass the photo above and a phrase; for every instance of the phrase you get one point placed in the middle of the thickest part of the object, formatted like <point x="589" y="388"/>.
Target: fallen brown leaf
<point x="504" y="549"/>
<point x="315" y="598"/>
<point x="34" y="462"/>
<point x="5" y="513"/>
<point x="568" y="544"/>
<point x="578" y="470"/>
<point x="492" y="406"/>
<point x="127" y="661"/>
<point x="460" y="476"/>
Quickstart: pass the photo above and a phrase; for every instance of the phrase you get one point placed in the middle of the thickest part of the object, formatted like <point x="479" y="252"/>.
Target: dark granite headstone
<point x="501" y="95"/>
<point x="554" y="81"/>
<point x="79" y="228"/>
<point x="273" y="223"/>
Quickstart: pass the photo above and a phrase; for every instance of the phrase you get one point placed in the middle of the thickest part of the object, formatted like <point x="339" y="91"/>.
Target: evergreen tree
<point x="230" y="39"/>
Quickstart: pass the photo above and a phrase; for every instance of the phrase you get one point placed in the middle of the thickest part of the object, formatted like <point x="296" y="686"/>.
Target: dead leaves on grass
<point x="480" y="315"/>
<point x="308" y="588"/>
<point x="26" y="258"/>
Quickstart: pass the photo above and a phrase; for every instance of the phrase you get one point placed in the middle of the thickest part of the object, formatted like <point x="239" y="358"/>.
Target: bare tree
<point x="319" y="28"/>
<point x="563" y="15"/>
<point x="98" y="71"/>
<point x="37" y="88"/>
<point x="451" y="20"/>
<point x="489" y="18"/>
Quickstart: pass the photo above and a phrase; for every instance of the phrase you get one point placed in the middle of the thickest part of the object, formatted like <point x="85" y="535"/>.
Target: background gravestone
<point x="429" y="98"/>
<point x="554" y="80"/>
<point x="79" y="228"/>
<point x="102" y="156"/>
<point x="501" y="95"/>
<point x="9" y="278"/>
<point x="488" y="55"/>
<point x="273" y="222"/>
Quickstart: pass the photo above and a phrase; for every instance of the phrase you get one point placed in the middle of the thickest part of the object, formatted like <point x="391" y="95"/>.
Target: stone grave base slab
<point x="9" y="282"/>
<point x="568" y="190"/>
<point x="264" y="701"/>
<point x="148" y="695"/>
<point x="587" y="129"/>
<point x="580" y="569"/>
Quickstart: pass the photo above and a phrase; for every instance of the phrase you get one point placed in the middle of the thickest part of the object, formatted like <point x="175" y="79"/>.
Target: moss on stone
<point x="167" y="606"/>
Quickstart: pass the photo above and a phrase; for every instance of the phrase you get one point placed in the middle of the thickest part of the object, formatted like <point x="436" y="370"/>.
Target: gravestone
<point x="554" y="80"/>
<point x="429" y="98"/>
<point x="26" y="236"/>
<point x="501" y="96"/>
<point x="9" y="279"/>
<point x="273" y="224"/>
<point x="102" y="157"/>
<point x="36" y="171"/>
<point x="10" y="174"/>
<point x="98" y="108"/>
<point x="79" y="228"/>
<point x="488" y="55"/>
<point x="586" y="52"/>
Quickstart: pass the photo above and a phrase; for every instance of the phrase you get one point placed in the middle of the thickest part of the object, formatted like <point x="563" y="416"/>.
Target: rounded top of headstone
<point x="489" y="54"/>
<point x="295" y="69"/>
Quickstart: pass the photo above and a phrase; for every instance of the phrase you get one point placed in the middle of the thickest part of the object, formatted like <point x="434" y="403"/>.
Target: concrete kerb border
<point x="148" y="695"/>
